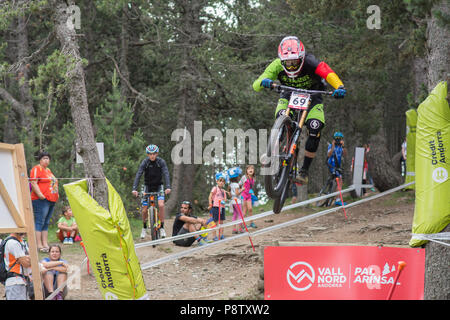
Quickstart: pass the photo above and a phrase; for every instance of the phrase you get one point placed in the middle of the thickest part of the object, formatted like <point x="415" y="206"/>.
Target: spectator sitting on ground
<point x="68" y="228"/>
<point x="55" y="272"/>
<point x="186" y="223"/>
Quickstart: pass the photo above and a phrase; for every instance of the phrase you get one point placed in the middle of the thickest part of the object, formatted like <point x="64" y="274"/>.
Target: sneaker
<point x="66" y="241"/>
<point x="59" y="296"/>
<point x="339" y="203"/>
<point x="235" y="231"/>
<point x="70" y="241"/>
<point x="253" y="225"/>
<point x="215" y="239"/>
<point x="241" y="230"/>
<point x="222" y="237"/>
<point x="162" y="233"/>
<point x="302" y="177"/>
<point x="201" y="242"/>
<point x="143" y="233"/>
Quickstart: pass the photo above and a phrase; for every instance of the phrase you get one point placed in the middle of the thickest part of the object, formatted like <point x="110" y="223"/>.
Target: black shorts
<point x="215" y="214"/>
<point x="186" y="242"/>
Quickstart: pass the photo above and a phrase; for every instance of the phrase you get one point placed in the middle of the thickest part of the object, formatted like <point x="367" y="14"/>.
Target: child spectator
<point x="247" y="183"/>
<point x="55" y="273"/>
<point x="216" y="199"/>
<point x="235" y="192"/>
<point x="68" y="228"/>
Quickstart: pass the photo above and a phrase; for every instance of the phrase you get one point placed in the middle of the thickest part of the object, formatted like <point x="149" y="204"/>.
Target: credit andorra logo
<point x="301" y="276"/>
<point x="437" y="148"/>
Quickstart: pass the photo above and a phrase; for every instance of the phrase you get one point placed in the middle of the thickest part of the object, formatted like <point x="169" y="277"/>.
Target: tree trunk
<point x="183" y="175"/>
<point x="420" y="70"/>
<point x="177" y="172"/>
<point x="381" y="168"/>
<point x="438" y="46"/>
<point x="123" y="59"/>
<point x="437" y="256"/>
<point x="24" y="88"/>
<point x="437" y="273"/>
<point x="86" y="145"/>
<point x="22" y="109"/>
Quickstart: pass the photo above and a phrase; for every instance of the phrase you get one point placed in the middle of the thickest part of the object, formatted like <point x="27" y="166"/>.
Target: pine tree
<point x="123" y="147"/>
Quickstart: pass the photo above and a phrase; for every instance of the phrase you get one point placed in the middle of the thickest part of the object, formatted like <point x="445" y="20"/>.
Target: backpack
<point x="4" y="272"/>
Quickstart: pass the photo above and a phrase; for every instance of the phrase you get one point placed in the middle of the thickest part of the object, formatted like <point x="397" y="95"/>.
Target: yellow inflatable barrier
<point x="109" y="243"/>
<point x="432" y="208"/>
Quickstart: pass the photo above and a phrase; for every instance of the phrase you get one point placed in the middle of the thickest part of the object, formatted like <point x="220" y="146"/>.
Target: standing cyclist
<point x="336" y="151"/>
<point x="154" y="169"/>
<point x="296" y="68"/>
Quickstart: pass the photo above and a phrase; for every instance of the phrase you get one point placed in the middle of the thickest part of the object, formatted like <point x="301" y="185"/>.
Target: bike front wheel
<point x="154" y="227"/>
<point x="279" y="202"/>
<point x="277" y="166"/>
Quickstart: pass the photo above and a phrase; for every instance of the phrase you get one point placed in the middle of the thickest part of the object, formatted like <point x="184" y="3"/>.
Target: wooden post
<point x="16" y="199"/>
<point x="27" y="209"/>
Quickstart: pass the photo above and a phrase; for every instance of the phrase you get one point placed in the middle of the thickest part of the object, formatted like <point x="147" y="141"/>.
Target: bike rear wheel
<point x="328" y="188"/>
<point x="277" y="151"/>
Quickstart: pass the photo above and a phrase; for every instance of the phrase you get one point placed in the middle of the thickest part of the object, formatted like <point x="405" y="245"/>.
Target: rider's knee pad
<point x="314" y="128"/>
<point x="312" y="144"/>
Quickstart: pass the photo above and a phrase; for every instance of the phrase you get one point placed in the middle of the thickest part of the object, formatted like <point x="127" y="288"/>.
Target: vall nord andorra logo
<point x="301" y="276"/>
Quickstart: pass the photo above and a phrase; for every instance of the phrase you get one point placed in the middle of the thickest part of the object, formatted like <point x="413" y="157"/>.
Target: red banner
<point x="343" y="273"/>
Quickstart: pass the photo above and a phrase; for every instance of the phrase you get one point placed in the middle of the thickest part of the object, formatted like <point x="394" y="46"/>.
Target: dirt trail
<point x="231" y="270"/>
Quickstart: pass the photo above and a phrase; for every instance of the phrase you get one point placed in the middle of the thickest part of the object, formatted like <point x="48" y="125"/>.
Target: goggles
<point x="292" y="64"/>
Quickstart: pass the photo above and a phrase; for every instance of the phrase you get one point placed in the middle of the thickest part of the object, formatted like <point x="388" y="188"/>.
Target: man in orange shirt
<point x="44" y="196"/>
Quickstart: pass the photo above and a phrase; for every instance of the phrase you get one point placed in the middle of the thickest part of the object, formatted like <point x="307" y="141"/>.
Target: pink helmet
<point x="291" y="52"/>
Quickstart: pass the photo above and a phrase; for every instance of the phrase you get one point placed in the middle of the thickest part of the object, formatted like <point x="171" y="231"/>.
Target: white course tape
<point x="268" y="229"/>
<point x="433" y="237"/>
<point x="239" y="221"/>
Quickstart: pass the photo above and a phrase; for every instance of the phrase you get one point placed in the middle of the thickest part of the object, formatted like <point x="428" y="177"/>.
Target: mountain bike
<point x="153" y="220"/>
<point x="330" y="186"/>
<point x="280" y="163"/>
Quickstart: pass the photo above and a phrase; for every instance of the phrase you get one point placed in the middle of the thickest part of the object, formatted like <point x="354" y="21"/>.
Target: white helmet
<point x="291" y="52"/>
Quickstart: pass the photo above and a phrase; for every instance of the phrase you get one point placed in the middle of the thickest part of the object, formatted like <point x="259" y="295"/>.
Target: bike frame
<point x="300" y="119"/>
<point x="291" y="147"/>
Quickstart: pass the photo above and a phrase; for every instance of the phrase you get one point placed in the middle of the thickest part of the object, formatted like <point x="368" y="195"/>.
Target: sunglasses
<point x="188" y="203"/>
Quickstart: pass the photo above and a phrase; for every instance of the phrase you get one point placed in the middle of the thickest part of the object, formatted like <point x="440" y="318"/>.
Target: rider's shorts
<point x="161" y="195"/>
<point x="315" y="109"/>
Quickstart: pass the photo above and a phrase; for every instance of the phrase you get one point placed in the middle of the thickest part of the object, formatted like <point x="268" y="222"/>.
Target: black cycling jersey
<point x="154" y="172"/>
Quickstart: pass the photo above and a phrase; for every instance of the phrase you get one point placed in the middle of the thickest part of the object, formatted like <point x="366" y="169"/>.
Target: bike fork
<point x="297" y="133"/>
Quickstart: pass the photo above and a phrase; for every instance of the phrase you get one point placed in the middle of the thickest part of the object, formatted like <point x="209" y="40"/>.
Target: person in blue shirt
<point x="336" y="151"/>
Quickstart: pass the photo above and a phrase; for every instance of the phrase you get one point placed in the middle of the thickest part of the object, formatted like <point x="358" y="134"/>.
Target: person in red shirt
<point x="44" y="195"/>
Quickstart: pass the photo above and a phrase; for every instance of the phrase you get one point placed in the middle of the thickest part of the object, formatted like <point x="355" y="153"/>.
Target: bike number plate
<point x="299" y="101"/>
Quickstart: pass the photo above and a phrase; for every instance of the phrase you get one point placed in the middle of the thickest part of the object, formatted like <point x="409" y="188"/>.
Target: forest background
<point x="151" y="67"/>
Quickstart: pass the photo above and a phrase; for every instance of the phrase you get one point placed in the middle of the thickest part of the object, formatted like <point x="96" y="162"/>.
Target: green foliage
<point x="123" y="147"/>
<point x="209" y="57"/>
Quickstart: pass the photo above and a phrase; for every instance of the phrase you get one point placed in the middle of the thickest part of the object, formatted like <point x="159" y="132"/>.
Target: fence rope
<point x="271" y="228"/>
<point x="253" y="217"/>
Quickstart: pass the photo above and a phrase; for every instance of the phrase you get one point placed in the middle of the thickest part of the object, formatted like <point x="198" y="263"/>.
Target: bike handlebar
<point x="149" y="193"/>
<point x="280" y="87"/>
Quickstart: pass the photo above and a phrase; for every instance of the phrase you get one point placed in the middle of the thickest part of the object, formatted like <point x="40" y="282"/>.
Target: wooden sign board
<point x="16" y="213"/>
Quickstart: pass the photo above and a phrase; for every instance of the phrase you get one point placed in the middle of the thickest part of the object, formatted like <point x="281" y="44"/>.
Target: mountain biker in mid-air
<point x="154" y="169"/>
<point x="297" y="68"/>
<point x="336" y="151"/>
